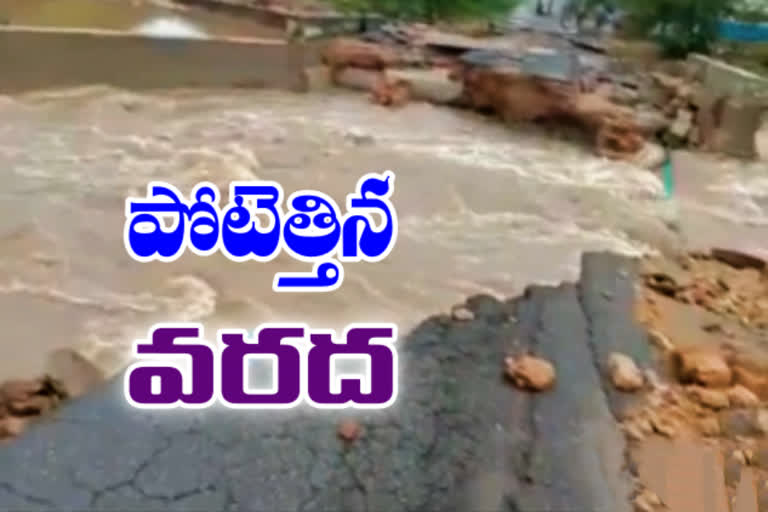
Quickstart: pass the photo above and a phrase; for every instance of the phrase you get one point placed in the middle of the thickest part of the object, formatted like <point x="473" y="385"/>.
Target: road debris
<point x="705" y="313"/>
<point x="349" y="430"/>
<point x="20" y="400"/>
<point x="530" y="373"/>
<point x="530" y="75"/>
<point x="625" y="375"/>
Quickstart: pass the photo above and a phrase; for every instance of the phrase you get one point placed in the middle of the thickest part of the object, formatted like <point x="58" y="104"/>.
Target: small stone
<point x="712" y="328"/>
<point x="733" y="466"/>
<point x="11" y="426"/>
<point x="712" y="398"/>
<point x="660" y="341"/>
<point x="17" y="390"/>
<point x="738" y="422"/>
<point x="625" y="374"/>
<point x="740" y="396"/>
<point x="349" y="430"/>
<point x="530" y="373"/>
<point x="709" y="426"/>
<point x="758" y="384"/>
<point x="462" y="314"/>
<point x="653" y="380"/>
<point x="359" y="138"/>
<point x="34" y="405"/>
<point x="705" y="367"/>
<point x="647" y="501"/>
<point x="634" y="432"/>
<point x="664" y="426"/>
<point x="682" y="124"/>
<point x="761" y="421"/>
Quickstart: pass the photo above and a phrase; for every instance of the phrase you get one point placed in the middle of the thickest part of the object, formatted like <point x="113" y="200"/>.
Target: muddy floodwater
<point x="131" y="16"/>
<point x="481" y="207"/>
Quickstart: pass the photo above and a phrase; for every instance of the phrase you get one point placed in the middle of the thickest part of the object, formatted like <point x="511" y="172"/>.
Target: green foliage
<point x="680" y="26"/>
<point x="429" y="10"/>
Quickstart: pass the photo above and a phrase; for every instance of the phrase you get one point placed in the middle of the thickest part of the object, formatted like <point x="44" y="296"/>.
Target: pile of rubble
<point x="24" y="400"/>
<point x="707" y="313"/>
<point x="504" y="77"/>
<point x="528" y="76"/>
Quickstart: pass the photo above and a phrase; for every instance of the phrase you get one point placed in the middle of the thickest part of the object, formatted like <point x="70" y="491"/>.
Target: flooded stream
<point x="131" y="16"/>
<point x="483" y="208"/>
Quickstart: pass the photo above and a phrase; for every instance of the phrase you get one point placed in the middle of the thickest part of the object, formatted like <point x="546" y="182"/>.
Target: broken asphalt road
<point x="458" y="439"/>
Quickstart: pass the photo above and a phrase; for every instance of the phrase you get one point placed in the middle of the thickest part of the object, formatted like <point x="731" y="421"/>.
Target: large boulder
<point x="345" y="52"/>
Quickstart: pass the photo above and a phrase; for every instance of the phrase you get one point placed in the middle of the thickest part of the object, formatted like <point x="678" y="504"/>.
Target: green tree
<point x="429" y="10"/>
<point x="680" y="26"/>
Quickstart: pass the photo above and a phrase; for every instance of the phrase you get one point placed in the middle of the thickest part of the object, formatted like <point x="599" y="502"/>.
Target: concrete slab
<point x="40" y="58"/>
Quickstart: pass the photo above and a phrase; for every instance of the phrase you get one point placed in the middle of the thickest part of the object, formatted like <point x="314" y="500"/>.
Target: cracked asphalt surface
<point x="458" y="439"/>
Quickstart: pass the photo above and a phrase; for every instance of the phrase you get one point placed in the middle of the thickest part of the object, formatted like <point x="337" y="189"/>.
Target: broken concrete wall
<point x="719" y="77"/>
<point x="35" y="58"/>
<point x="738" y="124"/>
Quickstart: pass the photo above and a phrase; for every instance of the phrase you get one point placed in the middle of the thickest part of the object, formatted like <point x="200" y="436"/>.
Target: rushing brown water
<point x="127" y="15"/>
<point x="482" y="208"/>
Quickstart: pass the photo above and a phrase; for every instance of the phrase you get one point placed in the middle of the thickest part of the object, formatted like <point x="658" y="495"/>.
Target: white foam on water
<point x="170" y="28"/>
<point x="500" y="229"/>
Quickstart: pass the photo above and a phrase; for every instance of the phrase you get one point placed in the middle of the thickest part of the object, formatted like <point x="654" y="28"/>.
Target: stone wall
<point x="39" y="58"/>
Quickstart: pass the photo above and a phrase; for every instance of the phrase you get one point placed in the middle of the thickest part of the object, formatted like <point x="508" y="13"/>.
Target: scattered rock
<point x="390" y="93"/>
<point x="625" y="374"/>
<point x="660" y="341"/>
<point x="11" y="426"/>
<point x="739" y="457"/>
<point x="647" y="501"/>
<point x="653" y="380"/>
<point x="712" y="398"/>
<point x="650" y="156"/>
<point x="462" y="314"/>
<point x="31" y="406"/>
<point x="738" y="423"/>
<point x="633" y="431"/>
<point x="682" y="124"/>
<point x="530" y="373"/>
<point x="343" y="52"/>
<point x="761" y="421"/>
<point x="18" y="390"/>
<point x="758" y="384"/>
<point x="20" y="399"/>
<point x="664" y="426"/>
<point x="740" y="396"/>
<point x="709" y="426"/>
<point x="349" y="430"/>
<point x="732" y="468"/>
<point x="705" y="367"/>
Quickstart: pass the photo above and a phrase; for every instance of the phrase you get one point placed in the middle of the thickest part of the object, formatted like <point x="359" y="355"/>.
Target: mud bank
<point x="460" y="438"/>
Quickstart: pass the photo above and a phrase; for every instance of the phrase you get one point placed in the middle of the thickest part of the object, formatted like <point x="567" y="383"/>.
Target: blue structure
<point x="739" y="31"/>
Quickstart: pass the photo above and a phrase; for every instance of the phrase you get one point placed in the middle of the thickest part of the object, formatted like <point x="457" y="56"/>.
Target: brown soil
<point x="699" y="441"/>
